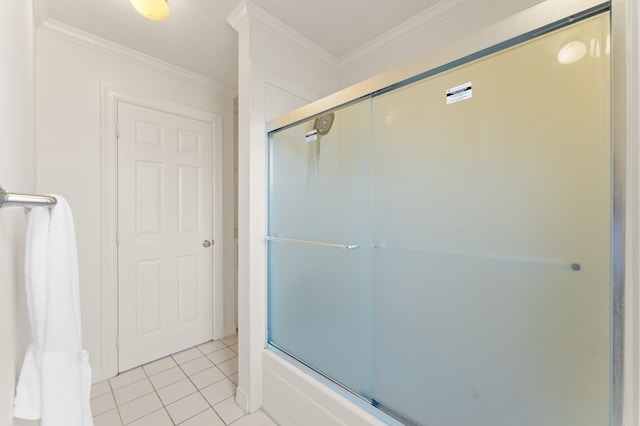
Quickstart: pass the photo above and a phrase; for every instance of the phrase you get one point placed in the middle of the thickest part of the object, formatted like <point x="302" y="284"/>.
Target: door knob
<point x="206" y="243"/>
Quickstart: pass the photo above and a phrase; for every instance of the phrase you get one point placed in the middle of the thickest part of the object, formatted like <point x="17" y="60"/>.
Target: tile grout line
<point x="225" y="375"/>
<point x="155" y="390"/>
<point x="179" y="365"/>
<point x="198" y="389"/>
<point x="164" y="407"/>
<point x="113" y="395"/>
<point x="135" y="399"/>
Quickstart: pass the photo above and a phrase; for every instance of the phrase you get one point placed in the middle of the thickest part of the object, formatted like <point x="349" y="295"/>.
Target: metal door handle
<point x="206" y="243"/>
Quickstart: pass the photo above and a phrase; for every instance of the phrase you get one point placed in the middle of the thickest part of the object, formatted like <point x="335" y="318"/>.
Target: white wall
<point x="68" y="82"/>
<point x="17" y="174"/>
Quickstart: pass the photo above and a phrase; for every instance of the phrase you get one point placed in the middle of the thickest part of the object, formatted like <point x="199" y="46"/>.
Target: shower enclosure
<point x="442" y="248"/>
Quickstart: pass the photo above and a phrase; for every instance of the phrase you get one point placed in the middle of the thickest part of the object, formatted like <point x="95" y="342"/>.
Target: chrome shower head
<point x="323" y="123"/>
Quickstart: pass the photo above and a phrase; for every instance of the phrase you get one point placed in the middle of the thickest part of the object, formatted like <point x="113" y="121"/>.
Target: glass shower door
<point x="318" y="262"/>
<point x="443" y="249"/>
<point x="491" y="238"/>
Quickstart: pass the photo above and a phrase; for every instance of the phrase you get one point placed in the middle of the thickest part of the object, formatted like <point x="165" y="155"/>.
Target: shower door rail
<point x="313" y="243"/>
<point x="497" y="257"/>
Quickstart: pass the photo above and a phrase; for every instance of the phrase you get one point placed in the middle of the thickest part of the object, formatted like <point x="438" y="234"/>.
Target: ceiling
<point x="197" y="37"/>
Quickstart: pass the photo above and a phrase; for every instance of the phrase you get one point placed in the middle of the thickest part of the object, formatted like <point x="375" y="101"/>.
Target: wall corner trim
<point x="248" y="12"/>
<point x="239" y="18"/>
<point x="258" y="16"/>
<point x="82" y="38"/>
<point x="40" y="12"/>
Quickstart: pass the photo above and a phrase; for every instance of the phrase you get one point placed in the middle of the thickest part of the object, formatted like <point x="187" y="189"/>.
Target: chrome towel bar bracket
<point x="9" y="199"/>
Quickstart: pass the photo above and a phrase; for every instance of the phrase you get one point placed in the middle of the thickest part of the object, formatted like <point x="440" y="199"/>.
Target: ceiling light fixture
<point x="155" y="10"/>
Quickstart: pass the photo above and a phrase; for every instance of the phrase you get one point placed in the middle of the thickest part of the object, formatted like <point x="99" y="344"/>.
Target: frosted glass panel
<point x="491" y="234"/>
<point x="443" y="249"/>
<point x="319" y="190"/>
<point x="318" y="309"/>
<point x="319" y="193"/>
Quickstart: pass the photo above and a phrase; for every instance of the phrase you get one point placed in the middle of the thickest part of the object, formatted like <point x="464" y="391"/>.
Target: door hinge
<point x="117" y="236"/>
<point x="117" y="130"/>
<point x="118" y="343"/>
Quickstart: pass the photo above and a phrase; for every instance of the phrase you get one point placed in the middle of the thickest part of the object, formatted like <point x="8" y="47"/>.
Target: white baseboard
<point x="96" y="375"/>
<point x="242" y="399"/>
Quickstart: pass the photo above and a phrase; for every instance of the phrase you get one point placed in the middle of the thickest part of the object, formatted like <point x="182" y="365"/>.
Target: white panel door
<point x="165" y="261"/>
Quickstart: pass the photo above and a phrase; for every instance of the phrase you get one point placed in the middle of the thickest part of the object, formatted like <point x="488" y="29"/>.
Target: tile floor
<point x="195" y="387"/>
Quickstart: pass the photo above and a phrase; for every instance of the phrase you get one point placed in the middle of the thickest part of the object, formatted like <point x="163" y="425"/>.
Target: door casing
<point x="109" y="256"/>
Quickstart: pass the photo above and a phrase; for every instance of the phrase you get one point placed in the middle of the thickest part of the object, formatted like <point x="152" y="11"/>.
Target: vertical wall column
<point x="626" y="132"/>
<point x="251" y="300"/>
<point x="278" y="71"/>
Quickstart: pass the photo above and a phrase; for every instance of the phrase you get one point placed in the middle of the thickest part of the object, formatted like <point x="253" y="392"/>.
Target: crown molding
<point x="40" y="12"/>
<point x="82" y="38"/>
<point x="239" y="18"/>
<point x="419" y="23"/>
<point x="287" y="34"/>
<point x="248" y="12"/>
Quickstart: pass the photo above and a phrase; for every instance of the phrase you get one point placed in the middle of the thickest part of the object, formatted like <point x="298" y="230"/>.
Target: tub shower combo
<point x="442" y="248"/>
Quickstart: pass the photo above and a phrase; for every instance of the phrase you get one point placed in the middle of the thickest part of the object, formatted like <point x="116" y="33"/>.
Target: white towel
<point x="55" y="380"/>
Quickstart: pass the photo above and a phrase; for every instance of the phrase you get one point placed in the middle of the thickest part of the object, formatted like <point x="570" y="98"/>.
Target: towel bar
<point x="313" y="243"/>
<point x="8" y="199"/>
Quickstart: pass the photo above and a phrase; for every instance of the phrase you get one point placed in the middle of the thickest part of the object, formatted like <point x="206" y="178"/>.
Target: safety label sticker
<point x="459" y="93"/>
<point x="311" y="135"/>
